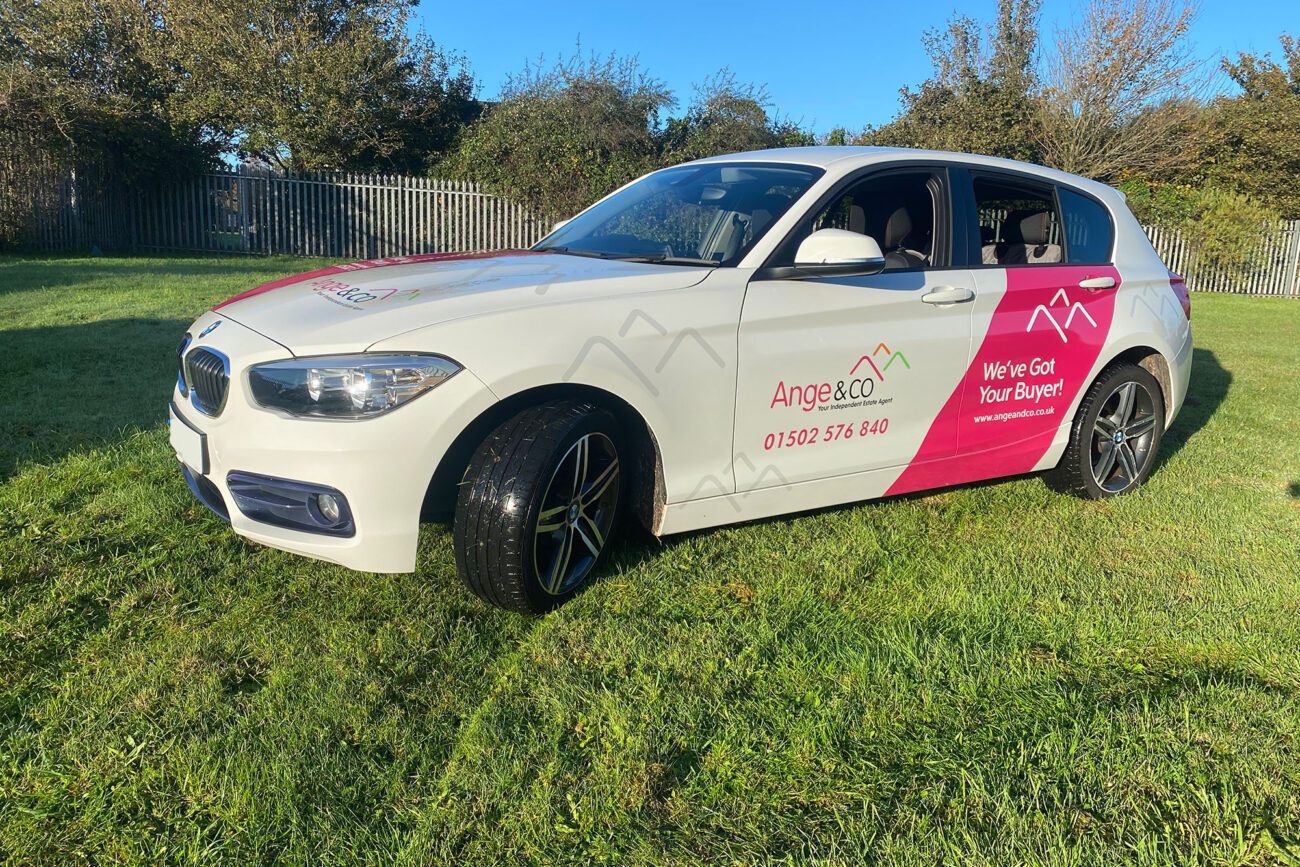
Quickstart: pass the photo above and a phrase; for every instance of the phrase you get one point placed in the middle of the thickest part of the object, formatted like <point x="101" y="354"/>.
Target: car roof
<point x="847" y="158"/>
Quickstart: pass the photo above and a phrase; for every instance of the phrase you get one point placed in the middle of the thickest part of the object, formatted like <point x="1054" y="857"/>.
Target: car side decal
<point x="1042" y="342"/>
<point x="370" y="263"/>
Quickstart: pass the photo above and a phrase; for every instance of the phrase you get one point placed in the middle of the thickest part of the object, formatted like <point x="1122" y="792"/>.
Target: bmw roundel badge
<point x="211" y="328"/>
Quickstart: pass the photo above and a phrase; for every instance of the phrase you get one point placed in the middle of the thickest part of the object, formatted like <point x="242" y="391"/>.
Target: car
<point x="724" y="340"/>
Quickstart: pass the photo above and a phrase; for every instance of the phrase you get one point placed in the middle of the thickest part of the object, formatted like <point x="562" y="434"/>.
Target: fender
<point x="671" y="358"/>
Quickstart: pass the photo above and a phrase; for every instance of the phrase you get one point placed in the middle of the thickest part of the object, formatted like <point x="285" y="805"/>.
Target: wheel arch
<point x="1153" y="361"/>
<point x="648" y="498"/>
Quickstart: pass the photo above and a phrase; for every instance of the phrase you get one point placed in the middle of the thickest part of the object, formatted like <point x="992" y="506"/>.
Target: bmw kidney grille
<point x="208" y="376"/>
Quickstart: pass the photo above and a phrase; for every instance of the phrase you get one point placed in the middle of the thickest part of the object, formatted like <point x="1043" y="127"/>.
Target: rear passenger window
<point x="1088" y="230"/>
<point x="1018" y="222"/>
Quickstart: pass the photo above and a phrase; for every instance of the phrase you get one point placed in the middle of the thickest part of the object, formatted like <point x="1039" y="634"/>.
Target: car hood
<point x="346" y="308"/>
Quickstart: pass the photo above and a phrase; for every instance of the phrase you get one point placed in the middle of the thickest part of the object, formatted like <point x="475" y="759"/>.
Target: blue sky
<point x="825" y="64"/>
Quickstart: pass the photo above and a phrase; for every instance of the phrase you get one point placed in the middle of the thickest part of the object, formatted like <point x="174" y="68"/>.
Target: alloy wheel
<point x="577" y="513"/>
<point x="1122" y="437"/>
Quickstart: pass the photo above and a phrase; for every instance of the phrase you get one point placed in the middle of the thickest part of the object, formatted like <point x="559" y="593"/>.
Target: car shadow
<point x="67" y="388"/>
<point x="1209" y="386"/>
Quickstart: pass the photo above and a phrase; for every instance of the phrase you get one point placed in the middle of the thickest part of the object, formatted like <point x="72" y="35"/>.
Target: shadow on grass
<point x="71" y="387"/>
<point x="1208" y="388"/>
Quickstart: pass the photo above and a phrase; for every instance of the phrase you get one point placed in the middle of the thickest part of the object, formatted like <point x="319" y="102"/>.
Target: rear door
<point x="1045" y="297"/>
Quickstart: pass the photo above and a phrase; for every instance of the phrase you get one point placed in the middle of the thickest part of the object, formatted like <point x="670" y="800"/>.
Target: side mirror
<point x="559" y="225"/>
<point x="838" y="253"/>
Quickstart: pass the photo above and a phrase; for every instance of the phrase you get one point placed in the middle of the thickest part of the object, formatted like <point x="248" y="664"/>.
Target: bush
<point x="562" y="138"/>
<point x="1159" y="204"/>
<point x="1225" y="229"/>
<point x="727" y="116"/>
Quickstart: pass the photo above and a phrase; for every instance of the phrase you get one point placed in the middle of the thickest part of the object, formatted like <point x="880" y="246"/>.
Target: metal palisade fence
<point x="1273" y="269"/>
<point x="261" y="212"/>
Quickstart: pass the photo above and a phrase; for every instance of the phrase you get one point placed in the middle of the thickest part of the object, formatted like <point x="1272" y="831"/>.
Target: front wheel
<point x="538" y="505"/>
<point x="1115" y="437"/>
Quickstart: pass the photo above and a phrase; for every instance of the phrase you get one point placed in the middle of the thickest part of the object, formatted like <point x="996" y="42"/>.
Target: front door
<point x="843" y="375"/>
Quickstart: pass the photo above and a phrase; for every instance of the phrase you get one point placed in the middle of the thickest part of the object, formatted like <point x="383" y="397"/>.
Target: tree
<point x="1252" y="140"/>
<point x="564" y="136"/>
<point x="319" y="84"/>
<point x="87" y="80"/>
<point x="149" y="87"/>
<point x="727" y="116"/>
<point x="1120" y="94"/>
<point x="979" y="98"/>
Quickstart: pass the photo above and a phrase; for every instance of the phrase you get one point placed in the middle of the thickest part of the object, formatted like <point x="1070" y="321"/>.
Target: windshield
<point x="709" y="214"/>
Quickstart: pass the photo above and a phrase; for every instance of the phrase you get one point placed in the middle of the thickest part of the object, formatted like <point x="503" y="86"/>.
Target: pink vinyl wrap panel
<point x="1041" y="345"/>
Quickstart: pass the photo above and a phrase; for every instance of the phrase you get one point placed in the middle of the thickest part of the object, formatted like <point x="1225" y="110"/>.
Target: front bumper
<point x="382" y="465"/>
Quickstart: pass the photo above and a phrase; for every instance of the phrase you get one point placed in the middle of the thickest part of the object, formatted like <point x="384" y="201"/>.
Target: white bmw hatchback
<point x="729" y="339"/>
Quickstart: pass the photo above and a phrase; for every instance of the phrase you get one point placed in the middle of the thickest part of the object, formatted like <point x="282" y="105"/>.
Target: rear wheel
<point x="538" y="505"/>
<point x="1115" y="437"/>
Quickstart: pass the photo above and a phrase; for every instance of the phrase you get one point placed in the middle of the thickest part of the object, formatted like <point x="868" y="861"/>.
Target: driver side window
<point x="897" y="210"/>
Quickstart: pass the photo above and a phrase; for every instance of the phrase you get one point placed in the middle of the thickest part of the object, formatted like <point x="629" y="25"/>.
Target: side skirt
<point x="819" y="493"/>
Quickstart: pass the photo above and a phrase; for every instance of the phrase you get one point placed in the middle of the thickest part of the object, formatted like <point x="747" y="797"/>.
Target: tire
<point x="1115" y="437"/>
<point x="540" y="501"/>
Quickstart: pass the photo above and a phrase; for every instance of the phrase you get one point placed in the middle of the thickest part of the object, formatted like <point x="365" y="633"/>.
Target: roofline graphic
<point x="1044" y="310"/>
<point x="867" y="359"/>
<point x="880" y="371"/>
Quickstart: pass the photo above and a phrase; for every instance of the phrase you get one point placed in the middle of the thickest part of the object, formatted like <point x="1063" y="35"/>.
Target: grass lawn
<point x="989" y="675"/>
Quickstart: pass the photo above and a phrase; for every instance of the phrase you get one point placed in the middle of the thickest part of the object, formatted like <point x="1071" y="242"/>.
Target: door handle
<point x="948" y="295"/>
<point x="1095" y="283"/>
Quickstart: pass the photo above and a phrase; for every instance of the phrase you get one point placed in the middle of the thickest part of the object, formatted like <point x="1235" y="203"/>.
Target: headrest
<point x="897" y="229"/>
<point x="857" y="219"/>
<point x="766" y="209"/>
<point x="1028" y="227"/>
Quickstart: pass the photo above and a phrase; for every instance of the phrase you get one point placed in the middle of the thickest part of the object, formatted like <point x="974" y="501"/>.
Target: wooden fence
<point x="329" y="214"/>
<point x="356" y="216"/>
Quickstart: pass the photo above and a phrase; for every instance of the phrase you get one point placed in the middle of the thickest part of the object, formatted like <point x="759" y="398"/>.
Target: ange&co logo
<point x="1044" y="311"/>
<point x="352" y="296"/>
<point x="852" y="391"/>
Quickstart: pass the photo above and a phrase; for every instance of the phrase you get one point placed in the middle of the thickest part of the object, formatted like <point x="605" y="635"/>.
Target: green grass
<point x="989" y="675"/>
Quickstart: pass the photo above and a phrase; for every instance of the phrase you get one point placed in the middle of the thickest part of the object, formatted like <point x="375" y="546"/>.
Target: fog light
<point x="328" y="505"/>
<point x="286" y="503"/>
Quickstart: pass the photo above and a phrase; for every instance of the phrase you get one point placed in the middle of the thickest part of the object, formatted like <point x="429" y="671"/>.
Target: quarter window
<point x="1088" y="229"/>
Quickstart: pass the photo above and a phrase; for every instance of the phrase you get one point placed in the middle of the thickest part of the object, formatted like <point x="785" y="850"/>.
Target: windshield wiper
<point x="569" y="251"/>
<point x="652" y="258"/>
<point x="672" y="260"/>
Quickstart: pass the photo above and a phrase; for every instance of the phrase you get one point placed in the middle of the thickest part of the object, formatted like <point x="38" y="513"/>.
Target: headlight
<point x="347" y="386"/>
